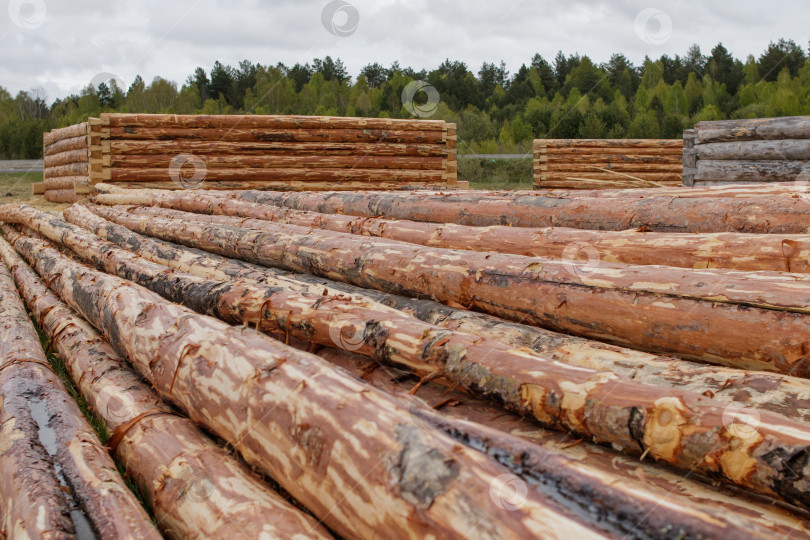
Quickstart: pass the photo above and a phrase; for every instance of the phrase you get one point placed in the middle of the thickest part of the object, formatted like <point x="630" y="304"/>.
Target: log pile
<point x="70" y="154"/>
<point x="606" y="163"/>
<point x="748" y="151"/>
<point x="442" y="365"/>
<point x="249" y="152"/>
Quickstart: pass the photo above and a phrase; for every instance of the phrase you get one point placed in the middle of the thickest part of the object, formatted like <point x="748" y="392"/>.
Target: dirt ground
<point x="16" y="187"/>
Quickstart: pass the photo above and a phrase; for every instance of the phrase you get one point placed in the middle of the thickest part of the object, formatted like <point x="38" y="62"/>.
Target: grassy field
<point x="16" y="187"/>
<point x="496" y="173"/>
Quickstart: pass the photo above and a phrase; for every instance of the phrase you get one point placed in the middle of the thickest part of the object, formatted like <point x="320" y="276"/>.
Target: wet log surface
<point x="661" y="214"/>
<point x="728" y="311"/>
<point x="789" y="396"/>
<point x="197" y="489"/>
<point x="653" y="420"/>
<point x="738" y="251"/>
<point x="418" y="480"/>
<point x="57" y="478"/>
<point x="637" y="489"/>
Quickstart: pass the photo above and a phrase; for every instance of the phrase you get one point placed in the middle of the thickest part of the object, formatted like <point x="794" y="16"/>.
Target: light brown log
<point x="279" y="135"/>
<point x="66" y="158"/>
<point x="38" y="188"/>
<point x="783" y="395"/>
<point x="667" y="153"/>
<point x="74" y="169"/>
<point x="598" y="157"/>
<point x="181" y="146"/>
<point x="725" y="191"/>
<point x="70" y="132"/>
<point x="630" y="168"/>
<point x="592" y="184"/>
<point x="737" y="251"/>
<point x="238" y="161"/>
<point x="62" y="196"/>
<point x="336" y="444"/>
<point x="57" y="478"/>
<point x="275" y="185"/>
<point x="760" y="324"/>
<point x="255" y="121"/>
<point x="629" y="144"/>
<point x="261" y="175"/>
<point x="196" y="489"/>
<point x="752" y="171"/>
<point x="622" y="176"/>
<point x="62" y="182"/>
<point x="577" y="399"/>
<point x="790" y="127"/>
<point x="780" y="215"/>
<point x="690" y="505"/>
<point x="785" y="149"/>
<point x="66" y="145"/>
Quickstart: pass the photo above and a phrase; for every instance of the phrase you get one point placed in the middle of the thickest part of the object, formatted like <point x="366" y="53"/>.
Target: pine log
<point x="62" y="196"/>
<point x="66" y="145"/>
<point x="50" y="454"/>
<point x="577" y="181"/>
<point x="789" y="396"/>
<point x="752" y="171"/>
<point x="791" y="127"/>
<point x="661" y="214"/>
<point x="196" y="489"/>
<point x="593" y="167"/>
<point x="62" y="182"/>
<point x="595" y="467"/>
<point x="261" y="121"/>
<point x="38" y="188"/>
<point x="70" y="132"/>
<point x="571" y="398"/>
<point x="66" y="158"/>
<point x="785" y="149"/>
<point x="724" y="191"/>
<point x="291" y="174"/>
<point x="629" y="144"/>
<point x="662" y="176"/>
<point x="175" y="147"/>
<point x="238" y="161"/>
<point x="296" y="417"/>
<point x="738" y="251"/>
<point x="281" y="185"/>
<point x="731" y="312"/>
<point x="279" y="135"/>
<point x="74" y="169"/>
<point x="597" y="157"/>
<point x="574" y="151"/>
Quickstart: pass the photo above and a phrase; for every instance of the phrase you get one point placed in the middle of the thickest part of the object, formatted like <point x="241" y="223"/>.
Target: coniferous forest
<point x="496" y="111"/>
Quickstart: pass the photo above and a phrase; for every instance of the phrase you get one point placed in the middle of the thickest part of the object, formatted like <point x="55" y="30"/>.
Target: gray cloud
<point x="77" y="41"/>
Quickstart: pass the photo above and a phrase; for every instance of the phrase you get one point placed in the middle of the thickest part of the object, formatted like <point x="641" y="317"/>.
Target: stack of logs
<point x="747" y="151"/>
<point x="585" y="364"/>
<point x="606" y="163"/>
<point x="263" y="152"/>
<point x="70" y="154"/>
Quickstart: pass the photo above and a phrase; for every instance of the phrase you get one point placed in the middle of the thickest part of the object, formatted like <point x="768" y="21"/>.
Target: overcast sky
<point x="62" y="46"/>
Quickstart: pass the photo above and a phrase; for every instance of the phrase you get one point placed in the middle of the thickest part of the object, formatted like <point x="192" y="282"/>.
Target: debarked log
<point x="661" y="214"/>
<point x="582" y="400"/>
<point x="713" y="170"/>
<point x="57" y="479"/>
<point x="729" y="311"/>
<point x="261" y="396"/>
<point x="196" y="489"/>
<point x="738" y="251"/>
<point x="789" y="396"/>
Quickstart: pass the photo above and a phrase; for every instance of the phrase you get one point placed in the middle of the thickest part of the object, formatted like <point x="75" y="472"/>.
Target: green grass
<point x="17" y="186"/>
<point x="95" y="421"/>
<point x="496" y="173"/>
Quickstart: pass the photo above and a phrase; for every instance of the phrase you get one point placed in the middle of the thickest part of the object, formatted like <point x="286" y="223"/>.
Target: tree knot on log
<point x="420" y="471"/>
<point x="664" y="429"/>
<point x="311" y="441"/>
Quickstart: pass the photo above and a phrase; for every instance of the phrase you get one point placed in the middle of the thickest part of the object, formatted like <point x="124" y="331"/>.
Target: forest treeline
<point x="564" y="97"/>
